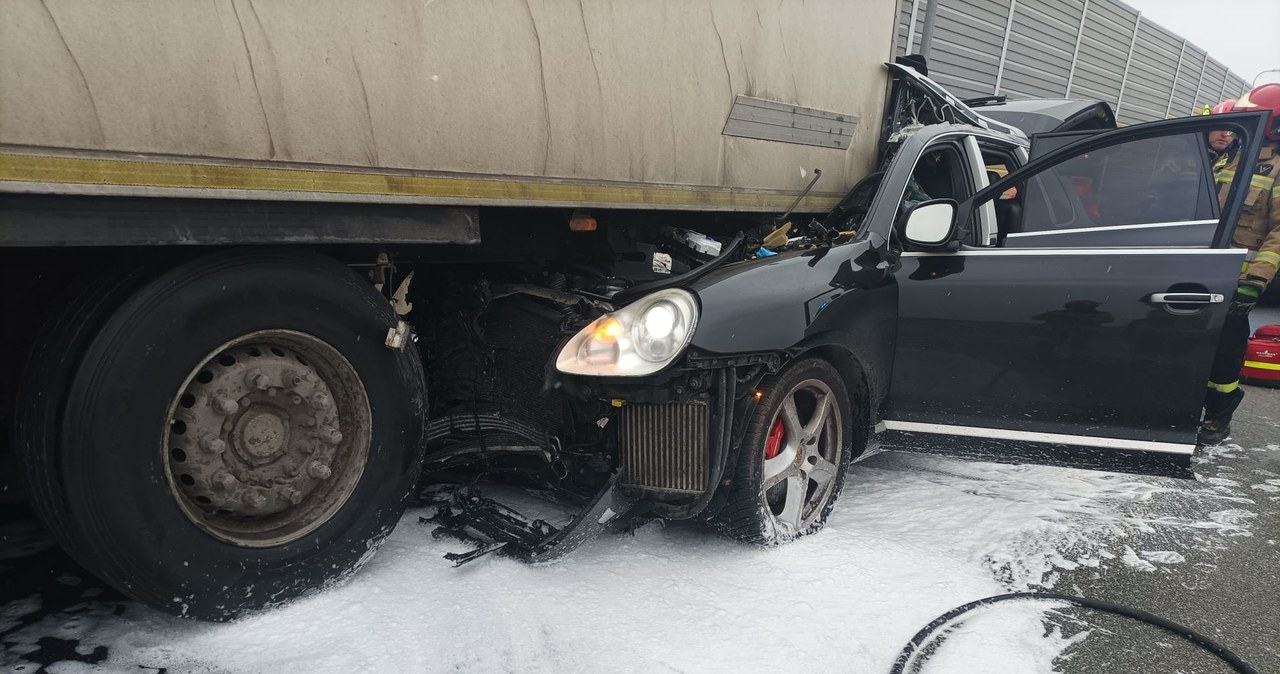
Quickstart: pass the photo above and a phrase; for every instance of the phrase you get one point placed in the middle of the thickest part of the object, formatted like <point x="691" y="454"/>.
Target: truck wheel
<point x="235" y="434"/>
<point x="793" y="457"/>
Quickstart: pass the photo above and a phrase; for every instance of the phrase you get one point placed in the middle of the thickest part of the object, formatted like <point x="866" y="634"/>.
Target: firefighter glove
<point x="1246" y="296"/>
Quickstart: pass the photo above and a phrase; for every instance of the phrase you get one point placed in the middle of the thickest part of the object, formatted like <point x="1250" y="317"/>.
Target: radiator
<point x="666" y="447"/>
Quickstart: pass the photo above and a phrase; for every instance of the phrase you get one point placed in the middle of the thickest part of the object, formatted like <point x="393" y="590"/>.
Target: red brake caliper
<point x="773" y="444"/>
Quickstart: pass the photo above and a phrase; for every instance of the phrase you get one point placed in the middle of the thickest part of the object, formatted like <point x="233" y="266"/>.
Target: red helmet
<point x="1264" y="97"/>
<point x="1224" y="107"/>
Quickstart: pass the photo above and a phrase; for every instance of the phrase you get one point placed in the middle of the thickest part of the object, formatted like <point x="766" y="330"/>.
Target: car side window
<point x="998" y="163"/>
<point x="1102" y="197"/>
<point x="939" y="173"/>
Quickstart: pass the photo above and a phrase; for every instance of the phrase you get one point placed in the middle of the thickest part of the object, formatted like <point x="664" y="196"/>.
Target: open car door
<point x="1089" y="343"/>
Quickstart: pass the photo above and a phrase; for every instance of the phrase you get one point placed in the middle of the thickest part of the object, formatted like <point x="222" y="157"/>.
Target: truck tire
<point x="84" y="302"/>
<point x="232" y="434"/>
<point x="793" y="458"/>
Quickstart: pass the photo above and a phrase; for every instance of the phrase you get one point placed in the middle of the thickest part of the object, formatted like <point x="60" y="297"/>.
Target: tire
<point x="85" y="302"/>
<point x="126" y="456"/>
<point x="783" y="512"/>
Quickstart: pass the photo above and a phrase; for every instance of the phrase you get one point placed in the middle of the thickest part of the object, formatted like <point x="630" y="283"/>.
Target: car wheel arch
<point x="856" y="373"/>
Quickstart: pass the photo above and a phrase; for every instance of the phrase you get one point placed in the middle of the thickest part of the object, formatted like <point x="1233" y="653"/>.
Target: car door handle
<point x="1187" y="298"/>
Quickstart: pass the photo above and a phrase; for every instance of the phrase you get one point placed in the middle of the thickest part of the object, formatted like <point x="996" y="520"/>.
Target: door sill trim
<point x="1033" y="436"/>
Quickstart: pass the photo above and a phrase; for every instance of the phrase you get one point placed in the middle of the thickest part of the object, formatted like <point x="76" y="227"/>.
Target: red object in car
<point x="1088" y="198"/>
<point x="773" y="443"/>
<point x="1262" y="358"/>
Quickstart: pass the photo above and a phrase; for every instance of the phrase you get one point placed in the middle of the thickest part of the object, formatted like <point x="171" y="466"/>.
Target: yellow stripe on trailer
<point x="254" y="181"/>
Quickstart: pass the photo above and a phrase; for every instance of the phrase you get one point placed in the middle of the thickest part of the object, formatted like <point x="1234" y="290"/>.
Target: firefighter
<point x="1258" y="230"/>
<point x="1221" y="144"/>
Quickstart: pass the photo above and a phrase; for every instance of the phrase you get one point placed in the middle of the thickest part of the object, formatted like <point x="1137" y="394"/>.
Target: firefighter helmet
<point x="1264" y="97"/>
<point x="1223" y="107"/>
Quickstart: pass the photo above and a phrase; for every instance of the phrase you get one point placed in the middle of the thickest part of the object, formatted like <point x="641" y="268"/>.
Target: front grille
<point x="665" y="447"/>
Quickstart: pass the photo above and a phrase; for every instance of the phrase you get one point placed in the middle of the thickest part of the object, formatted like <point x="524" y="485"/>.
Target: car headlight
<point x="639" y="339"/>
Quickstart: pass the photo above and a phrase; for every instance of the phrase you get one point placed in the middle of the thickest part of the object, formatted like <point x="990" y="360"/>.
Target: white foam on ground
<point x="1163" y="556"/>
<point x="912" y="537"/>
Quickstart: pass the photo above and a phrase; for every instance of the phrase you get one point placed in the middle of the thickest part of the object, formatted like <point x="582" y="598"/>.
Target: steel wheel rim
<point x="267" y="438"/>
<point x="798" y="482"/>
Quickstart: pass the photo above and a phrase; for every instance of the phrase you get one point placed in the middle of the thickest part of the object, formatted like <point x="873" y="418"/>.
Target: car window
<point x="852" y="209"/>
<point x="998" y="164"/>
<point x="1141" y="182"/>
<point x="938" y="174"/>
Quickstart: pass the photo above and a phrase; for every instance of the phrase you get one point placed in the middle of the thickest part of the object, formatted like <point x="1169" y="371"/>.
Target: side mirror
<point x="930" y="224"/>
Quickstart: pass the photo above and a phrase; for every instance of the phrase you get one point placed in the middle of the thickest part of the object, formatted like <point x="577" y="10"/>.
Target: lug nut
<point x="321" y="400"/>
<point x="213" y="444"/>
<point x="290" y="378"/>
<point x="255" y="501"/>
<point x="296" y="399"/>
<point x="294" y="496"/>
<point x="318" y="470"/>
<point x="330" y="434"/>
<point x="226" y="406"/>
<point x="257" y="380"/>
<point x="224" y="480"/>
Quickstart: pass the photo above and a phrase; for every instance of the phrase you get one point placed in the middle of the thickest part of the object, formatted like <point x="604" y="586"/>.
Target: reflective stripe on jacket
<point x="1259" y="226"/>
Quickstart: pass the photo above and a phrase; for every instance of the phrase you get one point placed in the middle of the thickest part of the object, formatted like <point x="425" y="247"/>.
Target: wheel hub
<point x="257" y="451"/>
<point x="261" y="435"/>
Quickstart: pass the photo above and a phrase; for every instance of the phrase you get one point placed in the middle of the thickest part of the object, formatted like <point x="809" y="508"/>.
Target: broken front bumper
<point x="465" y="514"/>
<point x="674" y="434"/>
<point x="672" y="438"/>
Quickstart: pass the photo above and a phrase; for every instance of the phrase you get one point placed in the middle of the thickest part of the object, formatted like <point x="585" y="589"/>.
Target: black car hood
<point x="774" y="303"/>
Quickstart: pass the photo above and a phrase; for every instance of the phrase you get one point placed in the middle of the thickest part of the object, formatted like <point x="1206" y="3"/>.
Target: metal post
<point x="1004" y="48"/>
<point x="911" y="27"/>
<point x="926" y="35"/>
<point x="1226" y="77"/>
<point x="1075" y="54"/>
<point x="1200" y="83"/>
<point x="1124" y="80"/>
<point x="1254" y="83"/>
<point x="1176" y="74"/>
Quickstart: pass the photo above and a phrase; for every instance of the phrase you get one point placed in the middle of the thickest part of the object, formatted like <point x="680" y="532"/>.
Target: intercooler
<point x="666" y="447"/>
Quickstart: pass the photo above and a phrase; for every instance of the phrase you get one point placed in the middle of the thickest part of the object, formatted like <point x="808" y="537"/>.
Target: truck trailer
<point x="273" y="269"/>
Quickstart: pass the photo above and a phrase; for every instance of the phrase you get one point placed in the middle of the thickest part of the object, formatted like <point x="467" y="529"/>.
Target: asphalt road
<point x="1229" y="593"/>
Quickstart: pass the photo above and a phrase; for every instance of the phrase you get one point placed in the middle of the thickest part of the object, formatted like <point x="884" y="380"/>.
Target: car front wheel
<point x="793" y="457"/>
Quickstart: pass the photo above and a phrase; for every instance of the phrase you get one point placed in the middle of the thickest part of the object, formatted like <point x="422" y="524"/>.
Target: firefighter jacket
<point x="1219" y="160"/>
<point x="1259" y="226"/>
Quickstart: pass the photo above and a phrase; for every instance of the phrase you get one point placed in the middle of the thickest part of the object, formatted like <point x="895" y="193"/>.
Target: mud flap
<point x="464" y="514"/>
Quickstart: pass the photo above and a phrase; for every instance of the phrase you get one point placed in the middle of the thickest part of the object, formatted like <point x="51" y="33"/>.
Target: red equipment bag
<point x="1262" y="358"/>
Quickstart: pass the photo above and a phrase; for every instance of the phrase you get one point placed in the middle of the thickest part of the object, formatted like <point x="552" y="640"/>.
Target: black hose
<point x="904" y="658"/>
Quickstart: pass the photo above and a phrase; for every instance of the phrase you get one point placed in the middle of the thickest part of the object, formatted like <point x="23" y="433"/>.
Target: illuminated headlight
<point x="639" y="339"/>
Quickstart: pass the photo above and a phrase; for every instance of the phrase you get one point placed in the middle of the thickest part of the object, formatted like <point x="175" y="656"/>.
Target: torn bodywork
<point x="663" y="435"/>
<point x="466" y="514"/>
<point x="618" y="448"/>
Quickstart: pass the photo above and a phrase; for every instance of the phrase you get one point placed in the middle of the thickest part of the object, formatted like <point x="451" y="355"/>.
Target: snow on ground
<point x="912" y="537"/>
